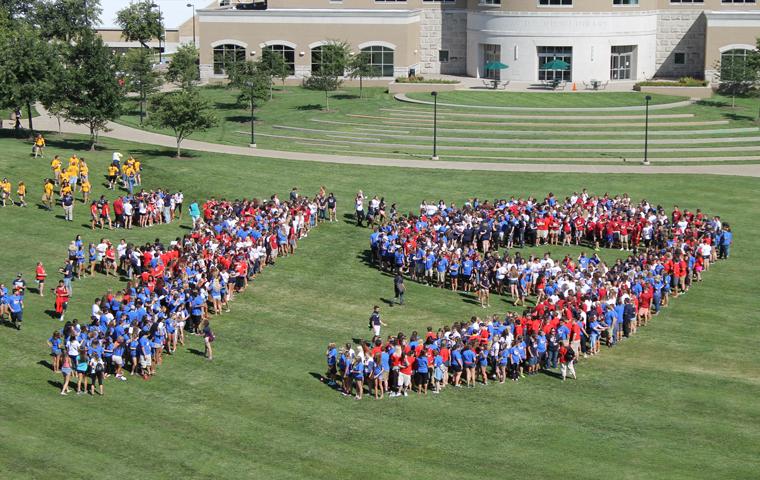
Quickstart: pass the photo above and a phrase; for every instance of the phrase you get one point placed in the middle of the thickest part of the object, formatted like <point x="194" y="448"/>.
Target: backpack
<point x="570" y="354"/>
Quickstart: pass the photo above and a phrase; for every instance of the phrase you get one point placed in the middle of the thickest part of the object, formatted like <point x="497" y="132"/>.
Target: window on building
<point x="734" y="64"/>
<point x="547" y="54"/>
<point x="625" y="2"/>
<point x="380" y="59"/>
<point x="686" y="1"/>
<point x="738" y="1"/>
<point x="227" y="55"/>
<point x="439" y="1"/>
<point x="491" y="53"/>
<point x="288" y="55"/>
<point x="622" y="59"/>
<point x="490" y="2"/>
<point x="443" y="56"/>
<point x="679" y="58"/>
<point x="555" y="3"/>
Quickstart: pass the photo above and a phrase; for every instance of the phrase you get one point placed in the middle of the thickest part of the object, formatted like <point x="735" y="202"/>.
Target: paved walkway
<point x="121" y="132"/>
<point x="660" y="106"/>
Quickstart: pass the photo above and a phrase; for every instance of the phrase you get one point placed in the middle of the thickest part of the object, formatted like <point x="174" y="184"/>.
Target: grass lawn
<point x="547" y="99"/>
<point x="380" y="125"/>
<point x="679" y="401"/>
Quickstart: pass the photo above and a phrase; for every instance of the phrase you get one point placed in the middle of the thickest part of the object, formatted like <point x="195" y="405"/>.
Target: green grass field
<point x="379" y="125"/>
<point x="679" y="401"/>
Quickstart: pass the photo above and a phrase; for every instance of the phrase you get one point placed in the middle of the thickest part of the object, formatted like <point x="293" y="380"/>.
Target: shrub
<point x="421" y="79"/>
<point x="681" y="82"/>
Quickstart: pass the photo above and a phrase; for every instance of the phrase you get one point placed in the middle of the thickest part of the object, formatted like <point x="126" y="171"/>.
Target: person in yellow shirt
<point x="47" y="194"/>
<point x="65" y="188"/>
<point x="84" y="171"/>
<point x="64" y="179"/>
<point x="113" y="171"/>
<point x="39" y="146"/>
<point x="138" y="172"/>
<point x="21" y="192"/>
<point x="5" y="190"/>
<point x="86" y="187"/>
<point x="74" y="160"/>
<point x="73" y="172"/>
<point x="55" y="165"/>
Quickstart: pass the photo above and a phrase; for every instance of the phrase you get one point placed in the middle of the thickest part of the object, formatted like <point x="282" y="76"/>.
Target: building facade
<point x="605" y="40"/>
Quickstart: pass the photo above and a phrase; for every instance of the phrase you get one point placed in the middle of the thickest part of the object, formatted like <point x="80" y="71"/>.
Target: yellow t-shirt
<point x="48" y="189"/>
<point x="74" y="161"/>
<point x="73" y="170"/>
<point x="39" y="141"/>
<point x="84" y="170"/>
<point x="21" y="190"/>
<point x="65" y="177"/>
<point x="137" y="165"/>
<point x="55" y="165"/>
<point x="65" y="189"/>
<point x="113" y="170"/>
<point x="5" y="186"/>
<point x="86" y="187"/>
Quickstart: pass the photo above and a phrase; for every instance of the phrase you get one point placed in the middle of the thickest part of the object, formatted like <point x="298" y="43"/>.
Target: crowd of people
<point x="458" y="247"/>
<point x="578" y="304"/>
<point x="174" y="288"/>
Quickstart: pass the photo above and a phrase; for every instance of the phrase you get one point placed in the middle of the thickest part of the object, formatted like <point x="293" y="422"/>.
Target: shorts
<point x="456" y="367"/>
<point x="423" y="378"/>
<point x="117" y="360"/>
<point x="111" y="178"/>
<point x="386" y="374"/>
<point x="240" y="282"/>
<point x="643" y="310"/>
<point x="145" y="361"/>
<point x="66" y="371"/>
<point x="17" y="317"/>
<point x="542" y="233"/>
<point x="404" y="380"/>
<point x="332" y="369"/>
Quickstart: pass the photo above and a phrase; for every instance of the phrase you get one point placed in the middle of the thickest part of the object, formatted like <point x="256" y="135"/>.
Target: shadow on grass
<point x="195" y="351"/>
<point x="56" y="384"/>
<point x="324" y="381"/>
<point x="45" y="364"/>
<point x="345" y="96"/>
<point x="737" y="117"/>
<point x="309" y="107"/>
<point x="240" y="119"/>
<point x="227" y="105"/>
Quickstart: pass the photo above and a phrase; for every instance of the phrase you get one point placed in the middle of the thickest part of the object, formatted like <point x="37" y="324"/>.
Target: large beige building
<point x="600" y="39"/>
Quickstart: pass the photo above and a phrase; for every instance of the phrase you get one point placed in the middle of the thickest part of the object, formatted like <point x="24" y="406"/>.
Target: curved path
<point x="122" y="132"/>
<point x="660" y="106"/>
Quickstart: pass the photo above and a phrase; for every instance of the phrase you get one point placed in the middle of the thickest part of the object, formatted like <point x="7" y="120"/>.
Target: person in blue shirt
<point x="357" y="375"/>
<point x="16" y="307"/>
<point x="515" y="359"/>
<point x="439" y="367"/>
<point x="423" y="373"/>
<point x="440" y="268"/>
<point x="332" y="364"/>
<point x="56" y="349"/>
<point x="563" y="332"/>
<point x="469" y="357"/>
<point x="482" y="354"/>
<point x="726" y="239"/>
<point x="502" y="362"/>
<point x="466" y="274"/>
<point x="457" y="364"/>
<point x="454" y="274"/>
<point x="377" y="376"/>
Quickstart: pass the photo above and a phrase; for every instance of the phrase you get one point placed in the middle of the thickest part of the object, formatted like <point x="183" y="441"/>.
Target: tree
<point x="65" y="20"/>
<point x="360" y="67"/>
<point x="26" y="61"/>
<point x="251" y="79"/>
<point x="184" y="112"/>
<point x="274" y="65"/>
<point x="183" y="69"/>
<point x="141" y="78"/>
<point x="140" y="22"/>
<point x="736" y="75"/>
<point x="331" y="65"/>
<point x="92" y="91"/>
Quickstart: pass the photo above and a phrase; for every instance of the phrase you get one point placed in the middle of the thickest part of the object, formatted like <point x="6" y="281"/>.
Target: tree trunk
<point x="93" y="138"/>
<point x="58" y="117"/>
<point x="29" y="114"/>
<point x="361" y="88"/>
<point x="271" y="85"/>
<point x="179" y="148"/>
<point x="327" y="101"/>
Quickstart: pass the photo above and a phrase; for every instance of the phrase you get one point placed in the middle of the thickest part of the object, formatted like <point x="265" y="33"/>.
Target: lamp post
<point x="648" y="99"/>
<point x="161" y="34"/>
<point x="251" y="85"/>
<point x="194" y="41"/>
<point x="435" y="125"/>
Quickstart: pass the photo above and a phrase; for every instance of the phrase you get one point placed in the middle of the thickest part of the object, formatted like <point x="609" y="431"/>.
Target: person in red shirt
<point x="62" y="295"/>
<point x="40" y="276"/>
<point x="567" y="361"/>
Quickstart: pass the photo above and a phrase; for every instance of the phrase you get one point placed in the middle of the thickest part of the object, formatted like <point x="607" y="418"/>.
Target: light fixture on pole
<point x="648" y="99"/>
<point x="435" y="125"/>
<point x="252" y="86"/>
<point x="161" y="34"/>
<point x="195" y="44"/>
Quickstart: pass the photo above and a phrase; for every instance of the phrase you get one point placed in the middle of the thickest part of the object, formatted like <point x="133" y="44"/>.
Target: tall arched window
<point x="733" y="64"/>
<point x="381" y="59"/>
<point x="226" y="55"/>
<point x="288" y="54"/>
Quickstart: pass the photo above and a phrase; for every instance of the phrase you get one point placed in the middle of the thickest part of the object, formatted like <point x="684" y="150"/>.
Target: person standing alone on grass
<point x="567" y="361"/>
<point x="375" y="322"/>
<point x="68" y="206"/>
<point x="399" y="288"/>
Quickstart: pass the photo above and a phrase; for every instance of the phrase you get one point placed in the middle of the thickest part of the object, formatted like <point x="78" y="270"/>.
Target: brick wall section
<point x="443" y="30"/>
<point x="680" y="32"/>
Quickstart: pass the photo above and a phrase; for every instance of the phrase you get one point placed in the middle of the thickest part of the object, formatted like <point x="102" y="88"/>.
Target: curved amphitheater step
<point x="661" y="106"/>
<point x="419" y="113"/>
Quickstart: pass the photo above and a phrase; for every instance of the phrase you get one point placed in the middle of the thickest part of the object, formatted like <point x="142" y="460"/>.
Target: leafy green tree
<point x="184" y="112"/>
<point x="26" y="61"/>
<point x="183" y="69"/>
<point x="360" y="67"/>
<point x="65" y="20"/>
<point x="140" y="22"/>
<point x="251" y="80"/>
<point x="274" y="65"/>
<point x="141" y="78"/>
<point x="736" y="76"/>
<point x="93" y="95"/>
<point x="331" y="65"/>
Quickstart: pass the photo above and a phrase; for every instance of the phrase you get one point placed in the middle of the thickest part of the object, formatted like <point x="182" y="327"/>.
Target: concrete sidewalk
<point x="122" y="132"/>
